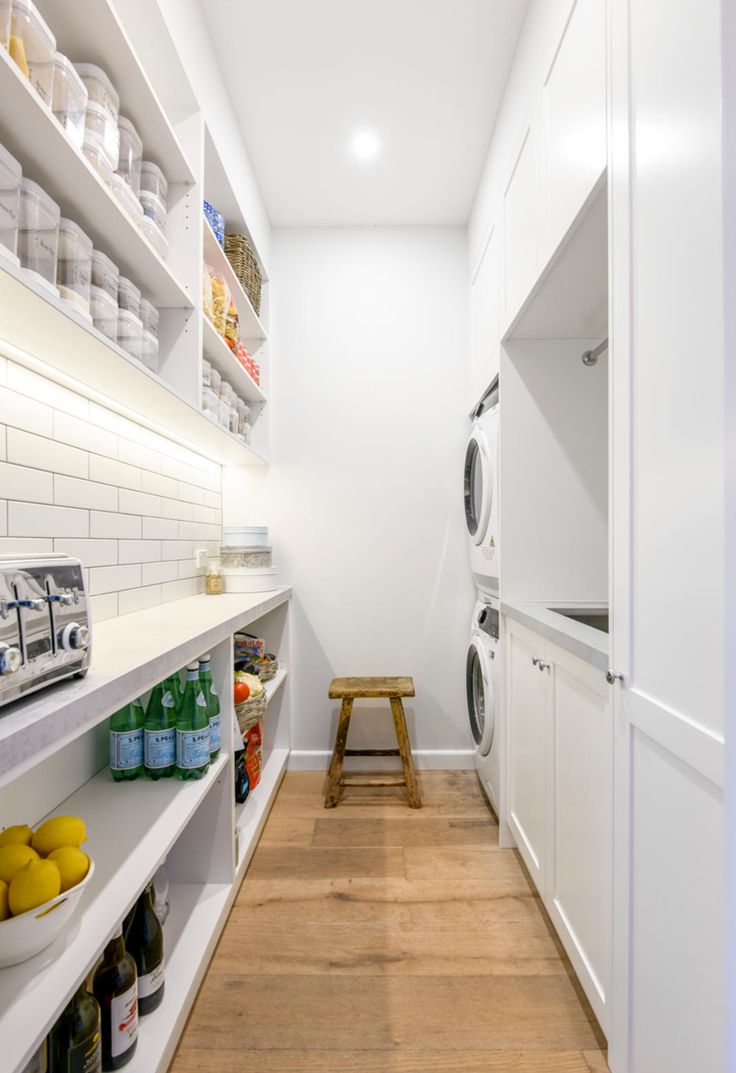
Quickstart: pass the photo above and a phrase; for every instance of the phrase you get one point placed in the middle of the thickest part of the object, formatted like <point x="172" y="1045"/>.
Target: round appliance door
<point x="478" y="482"/>
<point x="481" y="695"/>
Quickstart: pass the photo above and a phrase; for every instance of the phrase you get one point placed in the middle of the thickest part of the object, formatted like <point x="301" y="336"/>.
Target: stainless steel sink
<point x="591" y="616"/>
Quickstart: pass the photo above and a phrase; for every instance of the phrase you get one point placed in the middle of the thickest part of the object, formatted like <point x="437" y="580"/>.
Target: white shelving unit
<point x="251" y="328"/>
<point x="250" y="817"/>
<point x="219" y="354"/>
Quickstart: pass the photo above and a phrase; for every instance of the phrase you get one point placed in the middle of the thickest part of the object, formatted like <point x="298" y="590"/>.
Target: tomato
<point x="241" y="692"/>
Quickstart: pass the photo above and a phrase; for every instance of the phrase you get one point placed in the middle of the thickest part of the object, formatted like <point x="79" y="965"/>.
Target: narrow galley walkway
<point x="373" y="938"/>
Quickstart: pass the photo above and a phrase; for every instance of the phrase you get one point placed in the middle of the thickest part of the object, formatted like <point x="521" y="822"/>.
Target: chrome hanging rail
<point x="590" y="357"/>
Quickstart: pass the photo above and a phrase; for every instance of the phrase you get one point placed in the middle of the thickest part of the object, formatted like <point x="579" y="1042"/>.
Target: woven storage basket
<point x="239" y="253"/>
<point x="267" y="669"/>
<point x="250" y="711"/>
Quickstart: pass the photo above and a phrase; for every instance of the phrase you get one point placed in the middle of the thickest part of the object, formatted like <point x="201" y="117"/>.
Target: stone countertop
<point x="587" y="643"/>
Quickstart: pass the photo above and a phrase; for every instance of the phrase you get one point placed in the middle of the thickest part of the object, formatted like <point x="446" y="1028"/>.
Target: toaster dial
<point x="74" y="637"/>
<point x="10" y="659"/>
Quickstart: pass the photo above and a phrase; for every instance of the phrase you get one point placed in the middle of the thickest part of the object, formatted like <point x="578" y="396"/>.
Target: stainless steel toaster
<point x="45" y="622"/>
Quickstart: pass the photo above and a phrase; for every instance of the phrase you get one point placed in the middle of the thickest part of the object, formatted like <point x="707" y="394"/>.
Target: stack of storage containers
<point x="74" y="265"/>
<point x="10" y="179"/>
<point x="222" y="405"/>
<point x="154" y="199"/>
<point x="38" y="233"/>
<point x="32" y="45"/>
<point x="101" y="136"/>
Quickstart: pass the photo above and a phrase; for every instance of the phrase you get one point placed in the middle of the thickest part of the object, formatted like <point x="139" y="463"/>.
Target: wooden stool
<point x="347" y="690"/>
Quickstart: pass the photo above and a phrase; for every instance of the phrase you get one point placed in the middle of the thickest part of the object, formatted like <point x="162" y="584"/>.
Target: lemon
<point x="4" y="909"/>
<point x="38" y="882"/>
<point x="58" y="832"/>
<point x="20" y="834"/>
<point x="13" y="858"/>
<point x="73" y="864"/>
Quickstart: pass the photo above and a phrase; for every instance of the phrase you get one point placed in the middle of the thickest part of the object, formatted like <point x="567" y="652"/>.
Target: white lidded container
<point x="105" y="274"/>
<point x="245" y="536"/>
<point x="156" y="237"/>
<point x="154" y="209"/>
<point x="131" y="154"/>
<point x="104" y="310"/>
<point x="6" y="7"/>
<point x="211" y="403"/>
<point x="74" y="264"/>
<point x="149" y="350"/>
<point x="149" y="316"/>
<point x="153" y="181"/>
<point x="129" y="296"/>
<point x="38" y="234"/>
<point x="101" y="139"/>
<point x="125" y="196"/>
<point x="130" y="333"/>
<point x="262" y="579"/>
<point x="32" y="46"/>
<point x="100" y="89"/>
<point x="69" y="99"/>
<point x="11" y="174"/>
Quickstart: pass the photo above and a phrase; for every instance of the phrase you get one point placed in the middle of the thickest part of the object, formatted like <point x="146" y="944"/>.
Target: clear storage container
<point x="105" y="274"/>
<point x="38" y="235"/>
<point x="69" y="99"/>
<point x="215" y="381"/>
<point x="130" y="333"/>
<point x="10" y="179"/>
<point x="153" y="181"/>
<point x="149" y="350"/>
<point x="211" y="403"/>
<point x="223" y="416"/>
<point x="74" y="264"/>
<point x="127" y="198"/>
<point x="206" y="373"/>
<point x="131" y="154"/>
<point x="32" y="46"/>
<point x="100" y="89"/>
<point x="6" y="7"/>
<point x="101" y="139"/>
<point x="155" y="236"/>
<point x="149" y="316"/>
<point x="129" y="296"/>
<point x="104" y="310"/>
<point x="154" y="208"/>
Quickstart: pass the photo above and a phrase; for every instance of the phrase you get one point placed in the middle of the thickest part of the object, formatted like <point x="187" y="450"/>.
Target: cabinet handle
<point x="542" y="665"/>
<point x="613" y="676"/>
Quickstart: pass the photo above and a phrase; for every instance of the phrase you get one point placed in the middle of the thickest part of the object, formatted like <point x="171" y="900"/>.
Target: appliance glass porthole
<point x="476" y="694"/>
<point x="473" y="486"/>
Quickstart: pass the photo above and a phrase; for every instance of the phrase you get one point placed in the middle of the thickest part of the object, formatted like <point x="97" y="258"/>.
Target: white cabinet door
<point x="523" y="217"/>
<point x="485" y="319"/>
<point x="574" y="106"/>
<point x="527" y="703"/>
<point x="580" y="876"/>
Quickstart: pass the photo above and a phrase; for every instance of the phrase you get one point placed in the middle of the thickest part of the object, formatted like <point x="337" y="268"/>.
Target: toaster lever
<point x="10" y="605"/>
<point x="63" y="598"/>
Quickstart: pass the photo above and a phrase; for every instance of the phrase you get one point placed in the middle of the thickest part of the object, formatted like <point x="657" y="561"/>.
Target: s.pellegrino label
<point x="126" y="749"/>
<point x="160" y="748"/>
<point x="193" y="747"/>
<point x="215" y="723"/>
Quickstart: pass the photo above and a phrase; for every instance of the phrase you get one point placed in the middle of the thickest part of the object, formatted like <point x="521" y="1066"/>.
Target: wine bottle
<point x="144" y="941"/>
<point x="75" y="1044"/>
<point x="192" y="730"/>
<point x="213" y="705"/>
<point x="39" y="1062"/>
<point x="115" y="986"/>
<point x="161" y="893"/>
<point x="159" y="732"/>
<point x="126" y="742"/>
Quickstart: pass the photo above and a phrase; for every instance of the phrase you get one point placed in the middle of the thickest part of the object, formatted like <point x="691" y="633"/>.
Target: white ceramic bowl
<point x="26" y="935"/>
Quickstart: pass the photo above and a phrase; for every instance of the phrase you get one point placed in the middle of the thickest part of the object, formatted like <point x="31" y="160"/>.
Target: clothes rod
<point x="590" y="357"/>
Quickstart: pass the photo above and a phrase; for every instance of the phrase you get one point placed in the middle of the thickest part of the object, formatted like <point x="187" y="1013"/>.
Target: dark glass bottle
<point x="144" y="940"/>
<point x="75" y="1045"/>
<point x="115" y="986"/>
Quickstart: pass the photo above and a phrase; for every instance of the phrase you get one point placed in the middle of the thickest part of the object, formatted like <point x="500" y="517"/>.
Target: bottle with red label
<point x="144" y="940"/>
<point x="115" y="986"/>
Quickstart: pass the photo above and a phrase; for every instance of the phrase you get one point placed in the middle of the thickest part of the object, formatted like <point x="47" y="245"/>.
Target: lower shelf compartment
<point x="251" y="816"/>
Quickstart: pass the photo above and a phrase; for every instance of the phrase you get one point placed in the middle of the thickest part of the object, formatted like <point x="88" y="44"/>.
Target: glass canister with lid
<point x="74" y="264"/>
<point x="10" y="180"/>
<point x="69" y="99"/>
<point x="38" y="234"/>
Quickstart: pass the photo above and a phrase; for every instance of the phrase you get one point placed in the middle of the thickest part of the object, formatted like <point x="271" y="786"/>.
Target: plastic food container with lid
<point x="10" y="178"/>
<point x="215" y="380"/>
<point x="105" y="274"/>
<point x="156" y="237"/>
<point x="125" y="196"/>
<point x="6" y="7"/>
<point x="101" y="139"/>
<point x="129" y="296"/>
<point x="206" y="373"/>
<point x="100" y="89"/>
<point x="153" y="181"/>
<point x="211" y="403"/>
<point x="131" y="154"/>
<point x="74" y="264"/>
<point x="32" y="46"/>
<point x="154" y="208"/>
<point x="38" y="234"/>
<point x="149" y="316"/>
<point x="149" y="350"/>
<point x="224" y="412"/>
<point x="69" y="99"/>
<point x="104" y="310"/>
<point x="130" y="333"/>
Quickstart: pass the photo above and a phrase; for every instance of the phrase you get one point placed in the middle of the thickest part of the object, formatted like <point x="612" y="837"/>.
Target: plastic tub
<point x="104" y="310"/>
<point x="6" y="7"/>
<point x="101" y="139"/>
<point x="29" y="933"/>
<point x="100" y="89"/>
<point x="129" y="296"/>
<point x="211" y="403"/>
<point x="32" y="46"/>
<point x="215" y="381"/>
<point x="206" y="373"/>
<point x="223" y="415"/>
<point x="105" y="274"/>
<point x="11" y="174"/>
<point x="149" y="316"/>
<point x="153" y="181"/>
<point x="125" y="196"/>
<point x="154" y="208"/>
<point x="130" y="333"/>
<point x="155" y="236"/>
<point x="245" y="536"/>
<point x="69" y="99"/>
<point x="38" y="235"/>
<point x="131" y="154"/>
<point x="149" y="350"/>
<point x="74" y="264"/>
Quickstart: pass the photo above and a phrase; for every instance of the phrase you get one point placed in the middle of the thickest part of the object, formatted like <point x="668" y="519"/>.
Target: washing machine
<point x="480" y="489"/>
<point x="483" y="689"/>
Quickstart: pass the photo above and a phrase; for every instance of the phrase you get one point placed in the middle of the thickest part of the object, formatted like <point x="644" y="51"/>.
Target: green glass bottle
<point x="126" y="742"/>
<point x="75" y="1044"/>
<point x="192" y="730"/>
<point x="159" y="732"/>
<point x="213" y="705"/>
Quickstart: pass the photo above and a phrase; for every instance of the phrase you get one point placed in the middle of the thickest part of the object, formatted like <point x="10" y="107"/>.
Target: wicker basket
<point x="250" y="711"/>
<point x="240" y="254"/>
<point x="267" y="669"/>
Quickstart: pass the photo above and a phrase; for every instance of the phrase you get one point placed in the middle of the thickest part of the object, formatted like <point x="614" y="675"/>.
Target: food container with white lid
<point x="129" y="296"/>
<point x="125" y="196"/>
<point x="11" y="174"/>
<point x="69" y="99"/>
<point x="32" y="46"/>
<point x="38" y="234"/>
<point x="101" y="139"/>
<point x="247" y="429"/>
<point x="6" y="7"/>
<point x="131" y="154"/>
<point x="211" y="403"/>
<point x="130" y="333"/>
<point x="104" y="310"/>
<point x="153" y="181"/>
<point x="154" y="208"/>
<point x="105" y="274"/>
<point x="100" y="89"/>
<point x="239" y="536"/>
<point x="149" y="350"/>
<point x="156" y="237"/>
<point x="224" y="412"/>
<point x="215" y="381"/>
<point x="206" y="373"/>
<point x="74" y="264"/>
<point x="149" y="316"/>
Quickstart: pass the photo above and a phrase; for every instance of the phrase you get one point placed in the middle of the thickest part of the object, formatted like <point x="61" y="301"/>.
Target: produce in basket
<point x="252" y="681"/>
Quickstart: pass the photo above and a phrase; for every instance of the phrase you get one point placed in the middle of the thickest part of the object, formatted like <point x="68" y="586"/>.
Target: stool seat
<point x="371" y="687"/>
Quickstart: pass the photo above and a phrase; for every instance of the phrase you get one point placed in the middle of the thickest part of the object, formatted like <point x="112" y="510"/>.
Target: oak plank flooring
<point x="374" y="938"/>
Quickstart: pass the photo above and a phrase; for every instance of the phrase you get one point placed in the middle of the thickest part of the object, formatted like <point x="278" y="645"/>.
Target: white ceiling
<point x="426" y="76"/>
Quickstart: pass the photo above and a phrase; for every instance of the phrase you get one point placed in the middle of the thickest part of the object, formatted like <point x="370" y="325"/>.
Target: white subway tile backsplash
<point x="113" y="578"/>
<point x="155" y="573"/>
<point x="204" y="514"/>
<point x="193" y="531"/>
<point x="213" y="499"/>
<point x="73" y="492"/>
<point x="139" y="503"/>
<point x="174" y="508"/>
<point x="24" y="545"/>
<point x="176" y="549"/>
<point x="20" y="482"/>
<point x="17" y="411"/>
<point x="140" y="551"/>
<point x="172" y="467"/>
<point x="90" y="552"/>
<point x="123" y="526"/>
<point x="110" y="471"/>
<point x="104" y="607"/>
<point x="3" y="442"/>
<point x="189" y="568"/>
<point x="3" y="517"/>
<point x="138" y="599"/>
<point x="159" y="485"/>
<point x="34" y="519"/>
<point x="37" y="387"/>
<point x="139" y="454"/>
<point x="27" y="449"/>
<point x="191" y="493"/>
<point x="159" y="529"/>
<point x="178" y="590"/>
<point x="70" y="429"/>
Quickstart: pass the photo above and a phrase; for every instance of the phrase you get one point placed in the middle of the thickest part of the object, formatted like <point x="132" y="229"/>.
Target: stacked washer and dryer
<point x="483" y="665"/>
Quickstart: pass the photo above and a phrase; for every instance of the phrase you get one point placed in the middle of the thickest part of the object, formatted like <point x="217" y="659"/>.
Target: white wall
<point x="364" y="496"/>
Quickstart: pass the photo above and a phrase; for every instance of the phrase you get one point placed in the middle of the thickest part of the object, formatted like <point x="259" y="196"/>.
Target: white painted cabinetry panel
<point x="523" y="215"/>
<point x="485" y="312"/>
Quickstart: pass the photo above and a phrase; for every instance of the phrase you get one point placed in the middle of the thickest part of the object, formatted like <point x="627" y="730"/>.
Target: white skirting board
<point x="424" y="760"/>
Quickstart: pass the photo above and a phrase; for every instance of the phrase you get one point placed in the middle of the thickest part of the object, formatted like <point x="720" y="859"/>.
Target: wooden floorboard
<point x="374" y="938"/>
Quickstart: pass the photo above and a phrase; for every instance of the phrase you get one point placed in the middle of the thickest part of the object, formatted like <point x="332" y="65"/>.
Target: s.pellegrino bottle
<point x="115" y="987"/>
<point x="144" y="941"/>
<point x="159" y="732"/>
<point x="75" y="1043"/>
<point x="213" y="705"/>
<point x="126" y="742"/>
<point x="192" y="730"/>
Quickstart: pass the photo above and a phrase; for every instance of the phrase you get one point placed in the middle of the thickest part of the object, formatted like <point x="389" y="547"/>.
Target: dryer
<point x="480" y="490"/>
<point x="483" y="690"/>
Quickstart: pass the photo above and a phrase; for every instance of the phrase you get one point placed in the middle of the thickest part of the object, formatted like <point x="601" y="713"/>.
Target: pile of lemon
<point x="36" y="866"/>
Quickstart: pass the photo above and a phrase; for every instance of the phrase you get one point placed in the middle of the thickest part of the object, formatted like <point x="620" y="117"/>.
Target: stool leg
<point x="334" y="775"/>
<point x="402" y="738"/>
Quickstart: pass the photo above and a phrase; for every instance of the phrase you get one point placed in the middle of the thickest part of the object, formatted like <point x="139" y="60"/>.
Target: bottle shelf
<point x="250" y="817"/>
<point x="219" y="354"/>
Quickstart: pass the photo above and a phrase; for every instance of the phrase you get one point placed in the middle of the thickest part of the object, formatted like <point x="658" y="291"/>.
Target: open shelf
<point x="32" y="134"/>
<point x="272" y="687"/>
<point x="146" y="818"/>
<point x="250" y="817"/>
<point x="219" y="354"/>
<point x="251" y="328"/>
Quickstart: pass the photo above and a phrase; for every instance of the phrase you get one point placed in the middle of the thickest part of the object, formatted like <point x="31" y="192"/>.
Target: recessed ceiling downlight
<point x="365" y="145"/>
